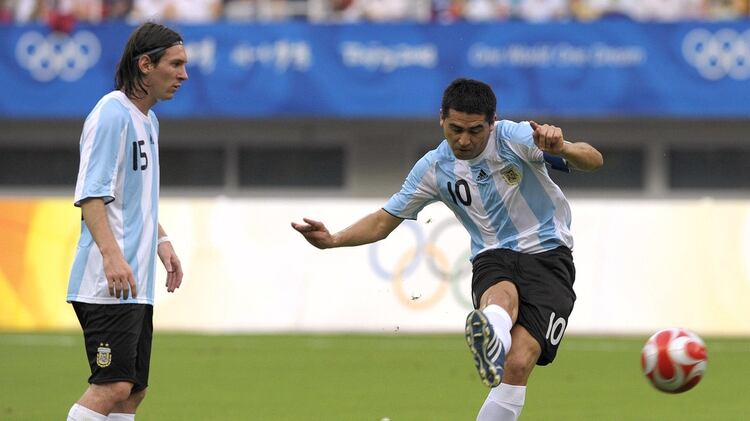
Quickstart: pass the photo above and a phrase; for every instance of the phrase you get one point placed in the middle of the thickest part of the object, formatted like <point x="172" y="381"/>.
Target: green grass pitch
<point x="365" y="377"/>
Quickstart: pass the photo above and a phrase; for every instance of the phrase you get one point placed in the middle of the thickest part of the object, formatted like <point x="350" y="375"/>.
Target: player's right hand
<point x="315" y="232"/>
<point x="120" y="279"/>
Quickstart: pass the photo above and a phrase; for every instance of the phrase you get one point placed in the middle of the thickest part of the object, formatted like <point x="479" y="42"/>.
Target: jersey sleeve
<point x="102" y="144"/>
<point x="519" y="137"/>
<point x="418" y="191"/>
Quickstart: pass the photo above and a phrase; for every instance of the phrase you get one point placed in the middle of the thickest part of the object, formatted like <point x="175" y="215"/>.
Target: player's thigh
<point x="490" y="269"/>
<point x="546" y="298"/>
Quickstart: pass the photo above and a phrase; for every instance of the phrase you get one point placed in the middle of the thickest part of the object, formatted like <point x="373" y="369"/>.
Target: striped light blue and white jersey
<point x="504" y="197"/>
<point x="120" y="164"/>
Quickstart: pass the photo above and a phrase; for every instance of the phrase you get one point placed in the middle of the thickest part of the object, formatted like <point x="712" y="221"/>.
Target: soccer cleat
<point x="487" y="350"/>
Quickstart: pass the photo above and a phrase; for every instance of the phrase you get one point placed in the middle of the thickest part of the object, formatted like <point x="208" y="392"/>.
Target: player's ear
<point x="144" y="64"/>
<point x="441" y="118"/>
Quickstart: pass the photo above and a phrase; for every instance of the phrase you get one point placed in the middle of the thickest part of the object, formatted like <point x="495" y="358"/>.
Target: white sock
<point x="501" y="324"/>
<point x="119" y="416"/>
<point x="504" y="403"/>
<point x="81" y="413"/>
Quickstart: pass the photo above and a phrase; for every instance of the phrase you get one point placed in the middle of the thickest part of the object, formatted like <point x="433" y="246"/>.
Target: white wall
<point x="642" y="265"/>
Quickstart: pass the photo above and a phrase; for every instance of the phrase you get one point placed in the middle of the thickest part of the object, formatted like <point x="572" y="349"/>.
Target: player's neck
<point x="144" y="104"/>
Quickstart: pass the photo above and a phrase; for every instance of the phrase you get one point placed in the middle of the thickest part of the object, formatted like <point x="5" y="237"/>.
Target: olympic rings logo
<point x="58" y="55"/>
<point x="436" y="262"/>
<point x="720" y="54"/>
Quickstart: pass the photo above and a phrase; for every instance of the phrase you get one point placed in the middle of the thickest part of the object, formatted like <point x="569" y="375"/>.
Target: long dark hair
<point x="471" y="97"/>
<point x="149" y="39"/>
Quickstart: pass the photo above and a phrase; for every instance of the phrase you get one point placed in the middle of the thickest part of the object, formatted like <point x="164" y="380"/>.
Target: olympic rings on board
<point x="398" y="287"/>
<point x="720" y="54"/>
<point x="58" y="54"/>
<point x="438" y="264"/>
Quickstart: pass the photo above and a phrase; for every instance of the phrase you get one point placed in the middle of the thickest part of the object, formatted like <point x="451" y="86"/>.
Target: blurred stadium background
<point x="319" y="108"/>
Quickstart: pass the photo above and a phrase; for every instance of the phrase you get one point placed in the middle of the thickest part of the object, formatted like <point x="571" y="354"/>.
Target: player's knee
<point x="137" y="397"/>
<point x="504" y="294"/>
<point x="118" y="391"/>
<point x="518" y="365"/>
<point x="130" y="405"/>
<point x="521" y="360"/>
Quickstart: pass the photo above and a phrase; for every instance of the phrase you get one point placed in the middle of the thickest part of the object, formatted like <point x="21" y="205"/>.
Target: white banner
<point x="642" y="266"/>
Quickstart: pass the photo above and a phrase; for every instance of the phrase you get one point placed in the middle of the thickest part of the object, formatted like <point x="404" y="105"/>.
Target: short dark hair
<point x="149" y="39"/>
<point x="471" y="97"/>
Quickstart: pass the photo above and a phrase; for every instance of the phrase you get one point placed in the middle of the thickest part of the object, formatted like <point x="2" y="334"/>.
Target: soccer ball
<point x="674" y="360"/>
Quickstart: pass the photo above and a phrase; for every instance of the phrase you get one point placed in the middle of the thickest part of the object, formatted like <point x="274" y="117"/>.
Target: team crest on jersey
<point x="511" y="175"/>
<point x="104" y="355"/>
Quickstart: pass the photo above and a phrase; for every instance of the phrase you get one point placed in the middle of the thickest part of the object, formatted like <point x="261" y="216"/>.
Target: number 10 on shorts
<point x="555" y="329"/>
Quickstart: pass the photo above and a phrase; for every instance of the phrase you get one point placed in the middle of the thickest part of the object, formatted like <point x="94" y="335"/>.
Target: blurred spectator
<point x="23" y="11"/>
<point x="86" y="10"/>
<point x="727" y="9"/>
<point x="544" y="10"/>
<point x="240" y="10"/>
<point x="342" y="10"/>
<point x="117" y="9"/>
<point x="267" y="10"/>
<point x="377" y="10"/>
<point x="6" y="12"/>
<point x="666" y="10"/>
<point x="447" y="11"/>
<point x="188" y="11"/>
<point x="276" y="10"/>
<point x="640" y="10"/>
<point x="486" y="10"/>
<point x="62" y="14"/>
<point x="596" y="9"/>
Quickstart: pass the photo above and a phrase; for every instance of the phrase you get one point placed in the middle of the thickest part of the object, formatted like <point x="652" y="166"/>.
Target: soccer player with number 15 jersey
<point x="113" y="278"/>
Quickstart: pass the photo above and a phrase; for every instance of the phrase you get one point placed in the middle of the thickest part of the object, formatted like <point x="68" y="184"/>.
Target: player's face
<point x="164" y="79"/>
<point x="467" y="134"/>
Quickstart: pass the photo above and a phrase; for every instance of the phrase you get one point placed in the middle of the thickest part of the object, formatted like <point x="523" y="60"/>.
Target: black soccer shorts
<point x="545" y="290"/>
<point x="118" y="341"/>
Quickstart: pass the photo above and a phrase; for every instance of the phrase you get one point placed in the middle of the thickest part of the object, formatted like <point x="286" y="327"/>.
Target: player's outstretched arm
<point x="580" y="155"/>
<point x="373" y="227"/>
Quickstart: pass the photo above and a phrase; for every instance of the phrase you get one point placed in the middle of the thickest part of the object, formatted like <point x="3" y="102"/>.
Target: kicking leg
<point x="488" y="330"/>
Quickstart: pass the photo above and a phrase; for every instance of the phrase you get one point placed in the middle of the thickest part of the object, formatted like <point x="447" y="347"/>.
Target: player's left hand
<point x="172" y="264"/>
<point x="548" y="138"/>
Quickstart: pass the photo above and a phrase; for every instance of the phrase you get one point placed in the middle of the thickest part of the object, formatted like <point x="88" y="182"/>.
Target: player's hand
<point x="548" y="138"/>
<point x="172" y="264"/>
<point x="120" y="280"/>
<point x="315" y="232"/>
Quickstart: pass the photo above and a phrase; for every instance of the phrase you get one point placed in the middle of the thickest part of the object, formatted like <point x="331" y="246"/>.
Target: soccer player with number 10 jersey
<point x="494" y="176"/>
